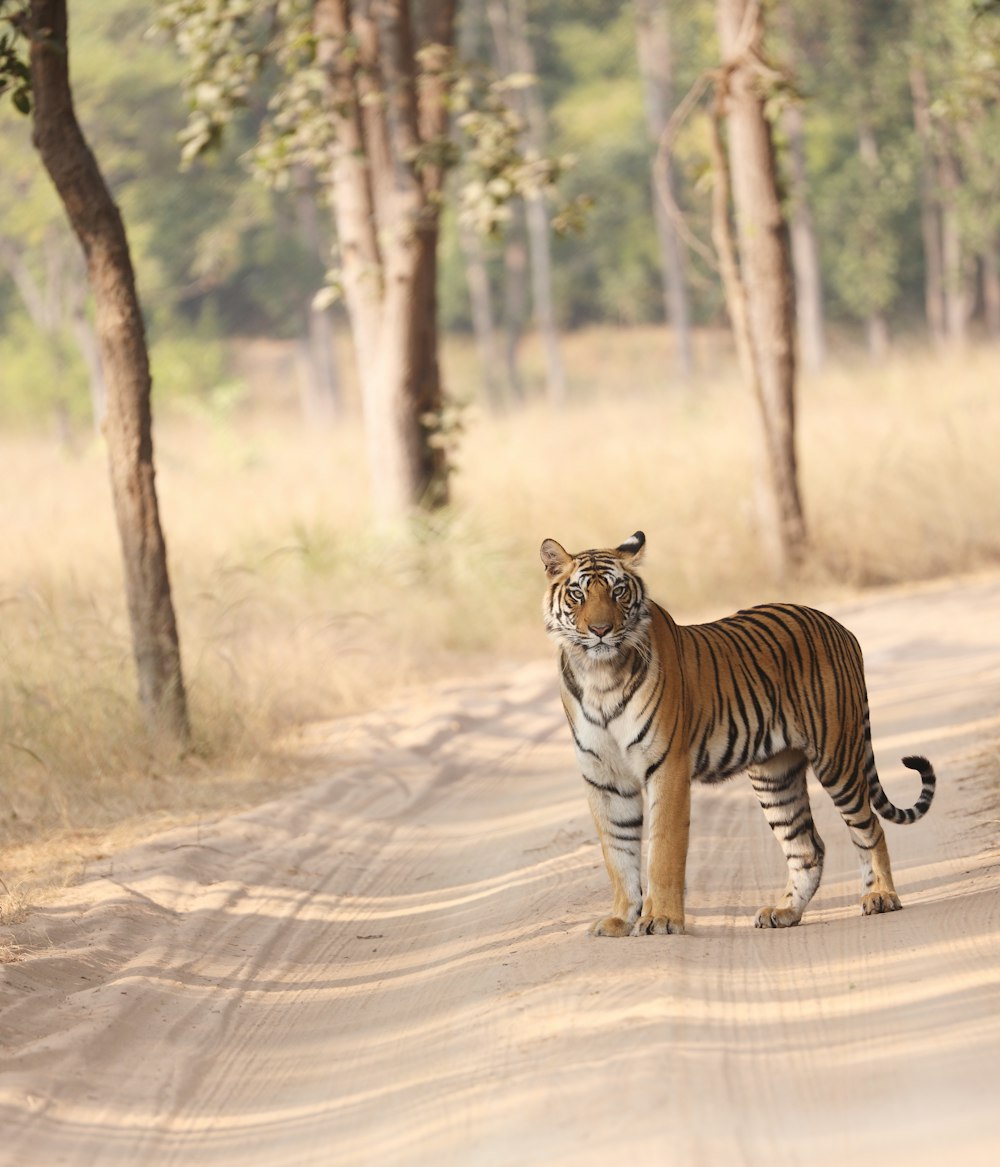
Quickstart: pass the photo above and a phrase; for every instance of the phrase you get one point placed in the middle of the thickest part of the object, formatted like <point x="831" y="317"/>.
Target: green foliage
<point x="215" y="250"/>
<point x="958" y="45"/>
<point x="496" y="167"/>
<point x="205" y="239"/>
<point x="870" y="203"/>
<point x="189" y="364"/>
<point x="15" y="76"/>
<point x="861" y="153"/>
<point x="40" y="376"/>
<point x="611" y="273"/>
<point x="855" y="62"/>
<point x="225" y="43"/>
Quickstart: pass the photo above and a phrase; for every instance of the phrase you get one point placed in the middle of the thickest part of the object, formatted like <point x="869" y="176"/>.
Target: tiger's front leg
<point x="618" y="816"/>
<point x="669" y="795"/>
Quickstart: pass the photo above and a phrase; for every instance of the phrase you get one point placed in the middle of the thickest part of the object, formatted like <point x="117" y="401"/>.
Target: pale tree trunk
<point x="481" y="304"/>
<point x="877" y="324"/>
<point x="90" y="350"/>
<point x="511" y="34"/>
<point x="515" y="302"/>
<point x="318" y="379"/>
<point x="760" y="295"/>
<point x="946" y="294"/>
<point x="930" y="210"/>
<point x="805" y="245"/>
<point x="655" y="56"/>
<point x="98" y="225"/>
<point x="515" y="257"/>
<point x="59" y="306"/>
<point x="877" y="332"/>
<point x="956" y="303"/>
<point x="805" y="252"/>
<point x="473" y="254"/>
<point x="991" y="289"/>
<point x="319" y="387"/>
<point x="386" y="211"/>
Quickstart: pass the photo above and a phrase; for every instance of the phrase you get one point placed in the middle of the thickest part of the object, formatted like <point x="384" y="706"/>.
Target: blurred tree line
<point x="427" y="165"/>
<point x="889" y="137"/>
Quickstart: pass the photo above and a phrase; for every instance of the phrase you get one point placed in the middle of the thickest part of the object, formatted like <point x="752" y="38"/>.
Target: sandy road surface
<point x="392" y="968"/>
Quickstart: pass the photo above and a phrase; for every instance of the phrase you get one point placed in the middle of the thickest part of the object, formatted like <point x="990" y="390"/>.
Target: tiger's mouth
<point x="602" y="649"/>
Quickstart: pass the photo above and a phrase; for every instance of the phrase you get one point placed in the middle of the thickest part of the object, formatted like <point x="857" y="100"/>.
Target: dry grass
<point x="291" y="609"/>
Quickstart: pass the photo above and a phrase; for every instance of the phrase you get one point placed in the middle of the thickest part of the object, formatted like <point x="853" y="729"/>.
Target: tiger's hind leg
<point x="780" y="784"/>
<point x="878" y="893"/>
<point x="851" y="797"/>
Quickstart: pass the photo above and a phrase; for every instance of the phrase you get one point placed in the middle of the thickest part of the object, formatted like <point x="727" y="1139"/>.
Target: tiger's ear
<point x="556" y="558"/>
<point x="631" y="549"/>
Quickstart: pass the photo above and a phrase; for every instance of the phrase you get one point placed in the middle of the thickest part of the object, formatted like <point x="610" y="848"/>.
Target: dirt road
<point x="392" y="967"/>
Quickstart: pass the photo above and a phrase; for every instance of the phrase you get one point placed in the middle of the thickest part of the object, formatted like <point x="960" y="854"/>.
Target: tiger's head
<point x="595" y="605"/>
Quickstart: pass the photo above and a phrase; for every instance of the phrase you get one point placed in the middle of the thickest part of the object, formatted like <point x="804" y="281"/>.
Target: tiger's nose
<point x="599" y="630"/>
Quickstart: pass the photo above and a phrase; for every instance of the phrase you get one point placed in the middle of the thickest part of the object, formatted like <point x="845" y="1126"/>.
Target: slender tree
<point x="477" y="278"/>
<point x="388" y="113"/>
<point x="867" y="192"/>
<point x="54" y="293"/>
<point x="358" y="96"/>
<point x="362" y="96"/>
<point x="930" y="208"/>
<point x="655" y="56"/>
<point x="809" y="313"/>
<point x="757" y="272"/>
<point x="508" y="20"/>
<point x="955" y="87"/>
<point x="128" y="423"/>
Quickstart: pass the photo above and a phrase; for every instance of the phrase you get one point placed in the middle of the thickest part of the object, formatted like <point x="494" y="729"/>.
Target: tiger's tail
<point x="894" y="814"/>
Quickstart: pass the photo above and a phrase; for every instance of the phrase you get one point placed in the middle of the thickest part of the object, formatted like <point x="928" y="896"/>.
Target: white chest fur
<point x="610" y="746"/>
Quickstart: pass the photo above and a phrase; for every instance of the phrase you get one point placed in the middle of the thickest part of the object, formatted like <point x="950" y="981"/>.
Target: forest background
<point x="292" y="606"/>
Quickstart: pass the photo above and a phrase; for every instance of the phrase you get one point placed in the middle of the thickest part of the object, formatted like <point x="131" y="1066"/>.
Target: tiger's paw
<point x="876" y="902"/>
<point x="776" y="918"/>
<point x="658" y="926"/>
<point x="610" y="926"/>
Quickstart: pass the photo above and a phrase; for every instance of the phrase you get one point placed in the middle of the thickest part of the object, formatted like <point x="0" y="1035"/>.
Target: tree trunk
<point x="805" y="245"/>
<point x="320" y="385"/>
<point x="877" y="323"/>
<point x="511" y="26"/>
<point x="956" y="305"/>
<point x="386" y="209"/>
<point x="654" y="53"/>
<point x="930" y="209"/>
<point x="90" y="350"/>
<point x="98" y="225"/>
<point x="805" y="252"/>
<point x="476" y="272"/>
<point x="483" y="323"/>
<point x="991" y="289"/>
<point x="515" y="257"/>
<point x="760" y="291"/>
<point x="515" y="302"/>
<point x="877" y="331"/>
<point x="57" y="304"/>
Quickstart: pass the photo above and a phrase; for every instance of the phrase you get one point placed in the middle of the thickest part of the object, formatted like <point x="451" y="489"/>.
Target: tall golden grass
<point x="291" y="607"/>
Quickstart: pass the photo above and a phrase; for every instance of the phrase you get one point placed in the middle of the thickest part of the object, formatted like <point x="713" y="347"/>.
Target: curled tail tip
<point x="928" y="780"/>
<point x="895" y="814"/>
<point x="921" y="765"/>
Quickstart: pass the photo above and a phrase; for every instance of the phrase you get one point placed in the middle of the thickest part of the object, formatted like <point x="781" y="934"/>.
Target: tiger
<point x="653" y="706"/>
